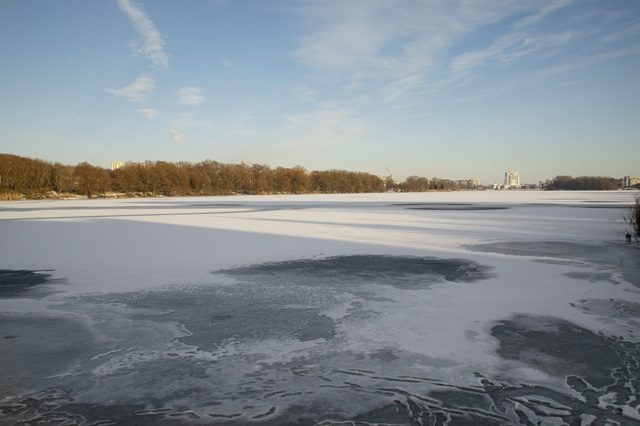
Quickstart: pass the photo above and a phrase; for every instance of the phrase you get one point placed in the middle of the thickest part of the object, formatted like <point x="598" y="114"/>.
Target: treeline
<point x="422" y="184"/>
<point x="19" y="175"/>
<point x="213" y="178"/>
<point x="22" y="177"/>
<point x="31" y="178"/>
<point x="582" y="183"/>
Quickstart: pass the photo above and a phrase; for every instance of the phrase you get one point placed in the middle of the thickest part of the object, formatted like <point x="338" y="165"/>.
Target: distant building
<point x="628" y="181"/>
<point x="473" y="183"/>
<point x="115" y="165"/>
<point x="512" y="179"/>
<point x="138" y="164"/>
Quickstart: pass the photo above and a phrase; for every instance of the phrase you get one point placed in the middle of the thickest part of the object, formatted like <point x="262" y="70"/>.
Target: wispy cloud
<point x="187" y="121"/>
<point x="405" y="45"/>
<point x="152" y="43"/>
<point x="190" y="95"/>
<point x="574" y="82"/>
<point x="148" y="113"/>
<point x="544" y="11"/>
<point x="378" y="39"/>
<point x="402" y="86"/>
<point x="558" y="68"/>
<point x="136" y="91"/>
<point x="628" y="31"/>
<point x="582" y="62"/>
<point x="328" y="125"/>
<point x="484" y="93"/>
<point x="508" y="48"/>
<point x="176" y="136"/>
<point x="304" y="92"/>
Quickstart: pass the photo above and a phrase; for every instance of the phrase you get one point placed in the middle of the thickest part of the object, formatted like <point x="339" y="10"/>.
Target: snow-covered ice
<point x="423" y="308"/>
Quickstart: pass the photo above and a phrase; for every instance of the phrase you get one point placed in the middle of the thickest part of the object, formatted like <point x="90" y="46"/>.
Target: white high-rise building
<point x="115" y="165"/>
<point x="512" y="179"/>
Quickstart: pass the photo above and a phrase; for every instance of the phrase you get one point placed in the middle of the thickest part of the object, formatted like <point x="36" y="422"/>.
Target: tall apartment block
<point x="512" y="179"/>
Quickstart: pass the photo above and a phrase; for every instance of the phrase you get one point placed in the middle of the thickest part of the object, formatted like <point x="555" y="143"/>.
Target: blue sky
<point x="453" y="89"/>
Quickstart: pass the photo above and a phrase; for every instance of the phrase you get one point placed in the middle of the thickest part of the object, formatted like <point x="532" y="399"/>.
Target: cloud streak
<point x="148" y="113"/>
<point x="326" y="126"/>
<point x="508" y="49"/>
<point x="186" y="121"/>
<point x="189" y="95"/>
<point x="152" y="43"/>
<point x="543" y="12"/>
<point x="176" y="136"/>
<point x="406" y="45"/>
<point x="304" y="92"/>
<point x="136" y="91"/>
<point x="381" y="39"/>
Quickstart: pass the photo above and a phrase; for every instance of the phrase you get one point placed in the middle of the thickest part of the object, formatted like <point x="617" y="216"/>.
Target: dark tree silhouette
<point x="582" y="183"/>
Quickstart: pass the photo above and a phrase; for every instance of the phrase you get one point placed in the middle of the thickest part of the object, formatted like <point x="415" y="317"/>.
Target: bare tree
<point x="632" y="217"/>
<point x="91" y="179"/>
<point x="61" y="177"/>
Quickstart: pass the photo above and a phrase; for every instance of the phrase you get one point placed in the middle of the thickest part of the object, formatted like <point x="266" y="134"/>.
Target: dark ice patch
<point x="455" y="398"/>
<point x="618" y="258"/>
<point x="167" y="377"/>
<point x="610" y="308"/>
<point x="450" y="206"/>
<point x="408" y="409"/>
<point x="537" y="405"/>
<point x="58" y="407"/>
<point x="558" y="262"/>
<point x="559" y="347"/>
<point x="593" y="277"/>
<point x="396" y="413"/>
<point x="34" y="347"/>
<point x="258" y="322"/>
<point x="578" y="275"/>
<point x="384" y="354"/>
<point x="460" y="208"/>
<point x="243" y="311"/>
<point x="398" y="271"/>
<point x="14" y="283"/>
<point x="432" y="204"/>
<point x="539" y="248"/>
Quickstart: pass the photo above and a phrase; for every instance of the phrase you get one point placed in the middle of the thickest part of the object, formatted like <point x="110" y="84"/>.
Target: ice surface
<point x="435" y="308"/>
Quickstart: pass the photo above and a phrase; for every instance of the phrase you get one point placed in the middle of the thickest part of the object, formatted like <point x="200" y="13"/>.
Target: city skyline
<point x="457" y="90"/>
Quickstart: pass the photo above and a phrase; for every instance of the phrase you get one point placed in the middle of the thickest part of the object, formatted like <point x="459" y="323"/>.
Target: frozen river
<point x="466" y="308"/>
